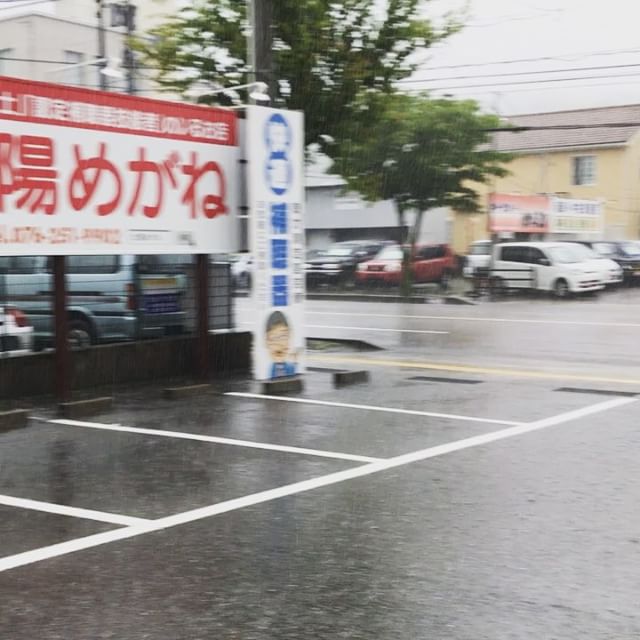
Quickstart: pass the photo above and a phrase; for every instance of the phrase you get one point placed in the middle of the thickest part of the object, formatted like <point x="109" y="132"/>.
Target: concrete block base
<point x="343" y="378"/>
<point x="186" y="391"/>
<point x="85" y="408"/>
<point x="16" y="419"/>
<point x="280" y="386"/>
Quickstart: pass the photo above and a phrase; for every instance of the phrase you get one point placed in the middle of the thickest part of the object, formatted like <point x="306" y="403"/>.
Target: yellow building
<point x="588" y="154"/>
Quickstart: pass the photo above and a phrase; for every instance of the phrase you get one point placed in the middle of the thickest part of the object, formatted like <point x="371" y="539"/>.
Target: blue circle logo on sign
<point x="278" y="170"/>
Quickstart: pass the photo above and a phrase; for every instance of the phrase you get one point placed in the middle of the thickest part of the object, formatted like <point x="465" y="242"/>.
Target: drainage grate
<point x="452" y="380"/>
<point x="599" y="392"/>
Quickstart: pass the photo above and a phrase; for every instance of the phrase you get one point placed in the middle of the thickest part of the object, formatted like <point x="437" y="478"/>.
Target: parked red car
<point x="429" y="263"/>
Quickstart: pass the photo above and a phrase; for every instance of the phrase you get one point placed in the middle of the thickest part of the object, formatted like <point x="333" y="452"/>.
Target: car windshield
<point x="630" y="248"/>
<point x="565" y="255"/>
<point x="390" y="253"/>
<point x="339" y="251"/>
<point x="604" y="248"/>
<point x="585" y="252"/>
<point x="480" y="249"/>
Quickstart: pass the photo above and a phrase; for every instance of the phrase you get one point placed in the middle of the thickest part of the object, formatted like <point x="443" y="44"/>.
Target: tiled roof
<point x="608" y="134"/>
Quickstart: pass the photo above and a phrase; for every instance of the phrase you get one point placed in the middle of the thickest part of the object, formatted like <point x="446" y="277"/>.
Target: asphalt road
<point x="482" y="485"/>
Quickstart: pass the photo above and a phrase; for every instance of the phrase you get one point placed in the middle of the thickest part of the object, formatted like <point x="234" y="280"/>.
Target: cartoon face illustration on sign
<point x="278" y="342"/>
<point x="278" y="169"/>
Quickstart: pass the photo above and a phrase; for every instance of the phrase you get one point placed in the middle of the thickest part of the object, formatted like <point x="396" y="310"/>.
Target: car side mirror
<point x="545" y="262"/>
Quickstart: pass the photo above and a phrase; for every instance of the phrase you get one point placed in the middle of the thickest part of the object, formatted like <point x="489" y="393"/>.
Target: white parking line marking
<point x="367" y="407"/>
<point x="216" y="440"/>
<point x="64" y="548"/>
<point x="579" y="323"/>
<point x="331" y="326"/>
<point x="74" y="512"/>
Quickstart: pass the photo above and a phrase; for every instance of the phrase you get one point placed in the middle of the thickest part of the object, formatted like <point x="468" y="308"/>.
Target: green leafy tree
<point x="327" y="55"/>
<point x="421" y="154"/>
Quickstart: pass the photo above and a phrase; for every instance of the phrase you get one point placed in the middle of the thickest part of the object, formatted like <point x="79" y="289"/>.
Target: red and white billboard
<point x="518" y="214"/>
<point x="85" y="172"/>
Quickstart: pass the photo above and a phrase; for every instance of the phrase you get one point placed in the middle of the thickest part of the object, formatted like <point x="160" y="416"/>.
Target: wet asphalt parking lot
<point x="483" y="484"/>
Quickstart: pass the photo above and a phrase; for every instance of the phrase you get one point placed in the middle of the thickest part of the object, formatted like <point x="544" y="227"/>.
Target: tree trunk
<point x="409" y="250"/>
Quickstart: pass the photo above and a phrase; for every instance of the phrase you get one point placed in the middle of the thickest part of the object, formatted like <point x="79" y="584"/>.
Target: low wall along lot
<point x="116" y="364"/>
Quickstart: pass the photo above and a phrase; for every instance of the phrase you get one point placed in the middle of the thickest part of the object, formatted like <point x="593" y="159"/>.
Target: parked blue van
<point x="111" y="298"/>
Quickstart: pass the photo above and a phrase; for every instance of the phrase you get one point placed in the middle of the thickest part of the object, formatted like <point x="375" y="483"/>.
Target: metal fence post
<point x="62" y="356"/>
<point x="202" y="306"/>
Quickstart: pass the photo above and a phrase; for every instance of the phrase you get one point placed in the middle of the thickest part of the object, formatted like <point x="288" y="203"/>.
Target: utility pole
<point x="260" y="13"/>
<point x="130" y="56"/>
<point x="124" y="15"/>
<point x="102" y="46"/>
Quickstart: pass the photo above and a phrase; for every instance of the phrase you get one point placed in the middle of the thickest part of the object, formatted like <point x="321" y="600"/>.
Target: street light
<point x="111" y="69"/>
<point x="259" y="91"/>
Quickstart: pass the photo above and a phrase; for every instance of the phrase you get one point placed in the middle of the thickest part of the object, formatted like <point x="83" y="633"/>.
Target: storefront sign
<point x="275" y="149"/>
<point x="518" y="213"/>
<point x="86" y="172"/>
<point x="576" y="217"/>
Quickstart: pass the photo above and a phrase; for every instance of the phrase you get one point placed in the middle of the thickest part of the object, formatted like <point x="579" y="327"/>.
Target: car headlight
<point x="330" y="266"/>
<point x="307" y="265"/>
<point x="362" y="267"/>
<point x="393" y="266"/>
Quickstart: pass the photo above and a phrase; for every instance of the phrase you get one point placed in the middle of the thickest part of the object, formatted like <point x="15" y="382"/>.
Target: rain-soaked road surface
<point x="484" y="484"/>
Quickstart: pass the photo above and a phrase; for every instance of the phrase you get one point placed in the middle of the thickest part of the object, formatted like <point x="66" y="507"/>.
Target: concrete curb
<point x="459" y="300"/>
<point x="344" y="378"/>
<point x="359" y="345"/>
<point x="364" y="297"/>
<point x="280" y="386"/>
<point x="85" y="408"/>
<point x="11" y="420"/>
<point x="177" y="393"/>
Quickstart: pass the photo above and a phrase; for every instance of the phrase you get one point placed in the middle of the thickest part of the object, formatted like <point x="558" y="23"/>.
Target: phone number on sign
<point x="58" y="235"/>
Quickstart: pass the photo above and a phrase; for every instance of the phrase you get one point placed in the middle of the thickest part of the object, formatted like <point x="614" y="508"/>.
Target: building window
<point x="584" y="170"/>
<point x="4" y="64"/>
<point x="74" y="75"/>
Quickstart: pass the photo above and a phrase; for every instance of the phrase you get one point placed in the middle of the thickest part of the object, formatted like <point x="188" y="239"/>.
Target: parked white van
<point x="110" y="298"/>
<point x="478" y="257"/>
<point x="546" y="266"/>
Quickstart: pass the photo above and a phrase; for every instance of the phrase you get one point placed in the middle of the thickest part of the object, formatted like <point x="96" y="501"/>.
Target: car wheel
<point x="561" y="289"/>
<point x="348" y="280"/>
<point x="445" y="280"/>
<point x="497" y="286"/>
<point x="79" y="334"/>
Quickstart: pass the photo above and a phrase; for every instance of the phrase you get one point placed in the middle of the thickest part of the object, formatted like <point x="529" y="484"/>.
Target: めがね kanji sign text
<point x="85" y="172"/>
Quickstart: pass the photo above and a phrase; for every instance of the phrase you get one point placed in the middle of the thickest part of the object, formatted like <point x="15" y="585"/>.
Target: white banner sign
<point x="569" y="215"/>
<point x="275" y="150"/>
<point x="86" y="172"/>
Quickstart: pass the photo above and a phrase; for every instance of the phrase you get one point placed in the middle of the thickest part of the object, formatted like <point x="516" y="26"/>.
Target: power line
<point x="20" y="5"/>
<point x="522" y="73"/>
<point x="528" y="82"/>
<point x="445" y="79"/>
<point x="563" y="127"/>
<point x="583" y="54"/>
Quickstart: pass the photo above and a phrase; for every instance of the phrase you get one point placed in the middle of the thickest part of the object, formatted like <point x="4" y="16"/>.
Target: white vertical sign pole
<point x="275" y="152"/>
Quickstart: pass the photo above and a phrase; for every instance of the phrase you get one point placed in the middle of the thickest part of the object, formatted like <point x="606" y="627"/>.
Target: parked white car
<point x="610" y="271"/>
<point x="16" y="332"/>
<point x="546" y="266"/>
<point x="478" y="257"/>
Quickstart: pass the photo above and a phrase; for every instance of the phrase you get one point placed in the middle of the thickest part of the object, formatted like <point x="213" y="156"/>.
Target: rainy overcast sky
<point x="557" y="37"/>
<point x="562" y="35"/>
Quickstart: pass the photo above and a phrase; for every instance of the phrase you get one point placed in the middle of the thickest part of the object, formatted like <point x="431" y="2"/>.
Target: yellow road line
<point x="463" y="368"/>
